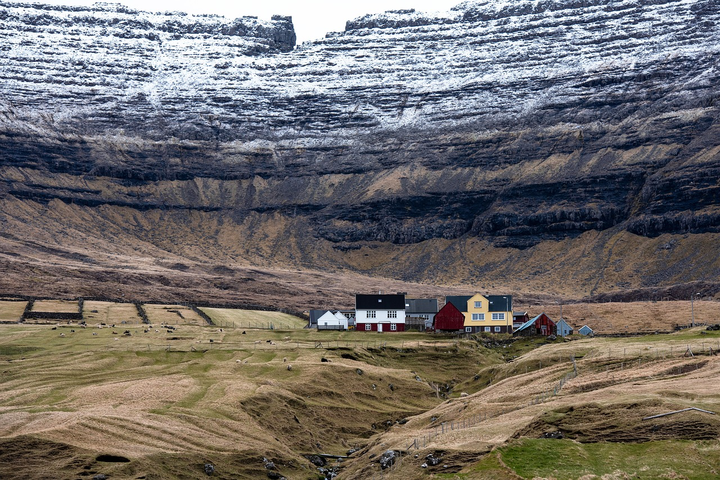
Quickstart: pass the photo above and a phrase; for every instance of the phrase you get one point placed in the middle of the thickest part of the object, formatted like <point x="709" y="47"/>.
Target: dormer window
<point x="478" y="304"/>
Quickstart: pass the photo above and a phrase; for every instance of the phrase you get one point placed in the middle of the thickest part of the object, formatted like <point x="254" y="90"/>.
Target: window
<point x="468" y="329"/>
<point x="392" y="313"/>
<point x="478" y="317"/>
<point x="498" y="316"/>
<point x="497" y="329"/>
<point x="371" y="314"/>
<point x="393" y="327"/>
<point x="478" y="304"/>
<point x="368" y="326"/>
<point x="487" y="329"/>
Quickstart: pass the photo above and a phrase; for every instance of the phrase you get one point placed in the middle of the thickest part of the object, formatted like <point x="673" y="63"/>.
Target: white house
<point x="332" y="321"/>
<point x="380" y="313"/>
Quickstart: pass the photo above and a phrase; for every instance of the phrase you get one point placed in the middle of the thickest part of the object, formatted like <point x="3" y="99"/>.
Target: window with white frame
<point x="371" y="314"/>
<point x="478" y="304"/>
<point x="392" y="313"/>
<point x="393" y="327"/>
<point x="497" y="329"/>
<point x="498" y="316"/>
<point x="468" y="329"/>
<point x="368" y="326"/>
<point x="487" y="329"/>
<point x="478" y="317"/>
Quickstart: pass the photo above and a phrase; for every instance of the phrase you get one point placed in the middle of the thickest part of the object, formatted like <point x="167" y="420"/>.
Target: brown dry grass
<point x="630" y="317"/>
<point x="110" y="312"/>
<point x="226" y="317"/>
<point x="11" y="311"/>
<point x="55" y="306"/>
<point x="617" y="386"/>
<point x="173" y="315"/>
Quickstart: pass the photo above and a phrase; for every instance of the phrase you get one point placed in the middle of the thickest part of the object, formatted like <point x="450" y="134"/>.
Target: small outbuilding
<point x="332" y="321"/>
<point x="587" y="331"/>
<point x="540" y="325"/>
<point x="449" y="319"/>
<point x="519" y="318"/>
<point x="563" y="328"/>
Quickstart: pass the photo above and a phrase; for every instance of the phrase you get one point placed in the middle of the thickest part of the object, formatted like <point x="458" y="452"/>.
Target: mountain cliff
<point x="561" y="146"/>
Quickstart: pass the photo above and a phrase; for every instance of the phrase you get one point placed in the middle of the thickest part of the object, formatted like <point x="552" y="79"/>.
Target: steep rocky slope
<point x="516" y="144"/>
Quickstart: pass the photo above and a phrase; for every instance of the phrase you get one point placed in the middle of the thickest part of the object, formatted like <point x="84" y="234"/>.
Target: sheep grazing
<point x="289" y="367"/>
<point x="62" y="334"/>
<point x="95" y="333"/>
<point x="238" y="361"/>
<point x="284" y="359"/>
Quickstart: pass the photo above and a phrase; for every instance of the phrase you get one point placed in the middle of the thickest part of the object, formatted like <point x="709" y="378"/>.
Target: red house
<point x="540" y="325"/>
<point x="449" y="319"/>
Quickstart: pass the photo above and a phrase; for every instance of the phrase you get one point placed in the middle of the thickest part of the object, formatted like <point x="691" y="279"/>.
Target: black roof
<point x="421" y="305"/>
<point x="499" y="303"/>
<point x="460" y="301"/>
<point x="380" y="302"/>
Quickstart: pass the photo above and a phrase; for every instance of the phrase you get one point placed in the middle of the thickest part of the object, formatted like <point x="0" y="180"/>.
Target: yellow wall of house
<point x="484" y="309"/>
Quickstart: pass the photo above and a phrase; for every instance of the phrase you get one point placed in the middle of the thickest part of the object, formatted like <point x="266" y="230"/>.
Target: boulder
<point x="387" y="459"/>
<point x="432" y="460"/>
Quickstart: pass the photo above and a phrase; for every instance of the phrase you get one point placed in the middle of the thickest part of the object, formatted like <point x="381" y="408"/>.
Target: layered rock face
<point x="391" y="148"/>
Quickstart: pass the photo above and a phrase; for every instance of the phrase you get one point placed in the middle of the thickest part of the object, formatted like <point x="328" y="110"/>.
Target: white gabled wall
<point x="381" y="316"/>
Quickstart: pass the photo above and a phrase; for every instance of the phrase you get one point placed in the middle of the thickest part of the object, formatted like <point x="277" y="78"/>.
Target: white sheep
<point x="289" y="367"/>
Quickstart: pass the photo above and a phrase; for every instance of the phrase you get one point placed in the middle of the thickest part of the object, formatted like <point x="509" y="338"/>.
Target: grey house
<point x="314" y="315"/>
<point x="420" y="313"/>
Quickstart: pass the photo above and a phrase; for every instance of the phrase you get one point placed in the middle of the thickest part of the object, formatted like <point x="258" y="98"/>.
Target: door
<point x="379" y="327"/>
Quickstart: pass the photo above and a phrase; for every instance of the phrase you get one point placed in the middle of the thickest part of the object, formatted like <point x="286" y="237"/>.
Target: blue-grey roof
<point x="460" y="301"/>
<point x="421" y="305"/>
<point x="525" y="325"/>
<point x="315" y="314"/>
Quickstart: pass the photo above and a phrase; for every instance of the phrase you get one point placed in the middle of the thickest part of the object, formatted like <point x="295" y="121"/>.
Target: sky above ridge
<point x="312" y="18"/>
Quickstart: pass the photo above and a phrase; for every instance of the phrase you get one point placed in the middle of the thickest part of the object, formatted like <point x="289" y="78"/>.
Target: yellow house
<point x="490" y="314"/>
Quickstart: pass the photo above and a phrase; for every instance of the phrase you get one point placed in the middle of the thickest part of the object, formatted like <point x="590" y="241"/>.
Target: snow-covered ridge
<point x="487" y="64"/>
<point x="115" y="19"/>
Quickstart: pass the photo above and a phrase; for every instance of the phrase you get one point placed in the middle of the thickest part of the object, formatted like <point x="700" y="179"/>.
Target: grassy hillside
<point x="76" y="402"/>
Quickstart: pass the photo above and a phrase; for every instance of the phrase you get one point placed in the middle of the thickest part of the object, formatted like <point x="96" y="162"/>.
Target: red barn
<point x="540" y="325"/>
<point x="449" y="318"/>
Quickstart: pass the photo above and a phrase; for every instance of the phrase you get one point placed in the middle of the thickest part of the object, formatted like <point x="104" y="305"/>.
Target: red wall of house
<point x="360" y="327"/>
<point x="551" y="328"/>
<point x="449" y="318"/>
